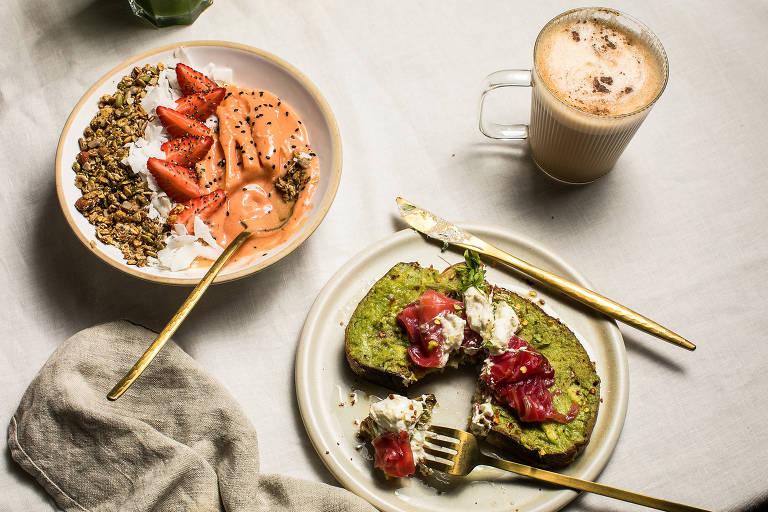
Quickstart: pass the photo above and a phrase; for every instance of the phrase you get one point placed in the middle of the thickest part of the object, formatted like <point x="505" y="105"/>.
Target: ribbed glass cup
<point x="575" y="146"/>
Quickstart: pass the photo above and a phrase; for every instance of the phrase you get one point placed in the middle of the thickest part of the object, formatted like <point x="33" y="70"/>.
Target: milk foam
<point x="598" y="68"/>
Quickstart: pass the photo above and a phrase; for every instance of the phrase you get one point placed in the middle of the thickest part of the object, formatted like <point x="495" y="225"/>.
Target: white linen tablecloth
<point x="676" y="231"/>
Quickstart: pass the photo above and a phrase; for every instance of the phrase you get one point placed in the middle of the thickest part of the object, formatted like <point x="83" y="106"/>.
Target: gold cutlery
<point x="434" y="227"/>
<point x="468" y="456"/>
<point x="170" y="328"/>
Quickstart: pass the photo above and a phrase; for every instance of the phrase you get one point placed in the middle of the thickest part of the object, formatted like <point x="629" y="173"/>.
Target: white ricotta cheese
<point x="505" y="324"/>
<point x="479" y="310"/>
<point x="495" y="325"/>
<point x="396" y="413"/>
<point x="482" y="419"/>
<point x="453" y="334"/>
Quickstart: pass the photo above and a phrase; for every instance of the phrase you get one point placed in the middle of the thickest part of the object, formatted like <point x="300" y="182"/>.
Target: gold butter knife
<point x="434" y="227"/>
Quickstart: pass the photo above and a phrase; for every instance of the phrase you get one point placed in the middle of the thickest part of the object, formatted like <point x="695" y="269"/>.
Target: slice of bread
<point x="377" y="350"/>
<point x="548" y="444"/>
<point x="376" y="345"/>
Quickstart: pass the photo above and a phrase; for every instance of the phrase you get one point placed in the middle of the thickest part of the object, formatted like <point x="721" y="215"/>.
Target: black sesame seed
<point x="286" y="113"/>
<point x="227" y="214"/>
<point x="244" y="189"/>
<point x="269" y="122"/>
<point x="273" y="167"/>
<point x="267" y="157"/>
<point x="242" y="131"/>
<point x="261" y="93"/>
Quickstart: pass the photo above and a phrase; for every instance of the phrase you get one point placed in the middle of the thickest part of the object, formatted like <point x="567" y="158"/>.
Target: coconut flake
<point x="219" y="74"/>
<point x="181" y="248"/>
<point x="180" y="55"/>
<point x="163" y="94"/>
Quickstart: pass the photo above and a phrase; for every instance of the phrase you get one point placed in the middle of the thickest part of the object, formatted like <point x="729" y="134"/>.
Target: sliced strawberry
<point x="178" y="182"/>
<point x="179" y="124"/>
<point x="200" y="106"/>
<point x="202" y="206"/>
<point x="192" y="81"/>
<point x="187" y="150"/>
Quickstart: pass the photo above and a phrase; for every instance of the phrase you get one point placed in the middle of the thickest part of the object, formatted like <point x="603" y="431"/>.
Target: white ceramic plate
<point x="324" y="382"/>
<point x="251" y="68"/>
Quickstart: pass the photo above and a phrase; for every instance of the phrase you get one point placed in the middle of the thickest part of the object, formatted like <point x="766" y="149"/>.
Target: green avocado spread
<point x="374" y="336"/>
<point x="575" y="381"/>
<point x="376" y="342"/>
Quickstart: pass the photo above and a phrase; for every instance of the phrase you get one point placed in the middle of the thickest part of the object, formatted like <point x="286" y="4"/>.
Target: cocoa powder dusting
<point x="597" y="86"/>
<point x="610" y="43"/>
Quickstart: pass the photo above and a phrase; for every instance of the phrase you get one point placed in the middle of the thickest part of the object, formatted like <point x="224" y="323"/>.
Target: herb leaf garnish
<point x="473" y="273"/>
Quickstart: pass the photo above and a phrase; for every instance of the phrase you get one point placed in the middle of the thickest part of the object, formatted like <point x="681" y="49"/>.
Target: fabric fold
<point x="175" y="441"/>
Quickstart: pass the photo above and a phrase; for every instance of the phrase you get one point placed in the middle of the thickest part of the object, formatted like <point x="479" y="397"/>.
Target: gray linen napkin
<point x="175" y="441"/>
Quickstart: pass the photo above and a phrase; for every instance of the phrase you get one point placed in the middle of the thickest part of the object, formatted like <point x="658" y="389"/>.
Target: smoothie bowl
<point x="164" y="156"/>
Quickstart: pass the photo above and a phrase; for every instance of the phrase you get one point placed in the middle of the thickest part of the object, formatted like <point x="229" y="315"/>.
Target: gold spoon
<point x="170" y="328"/>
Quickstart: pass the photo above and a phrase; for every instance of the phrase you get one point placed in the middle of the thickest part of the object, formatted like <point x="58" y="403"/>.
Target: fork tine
<point x="445" y="431"/>
<point x="445" y="444"/>
<point x="439" y="466"/>
<point x="439" y="453"/>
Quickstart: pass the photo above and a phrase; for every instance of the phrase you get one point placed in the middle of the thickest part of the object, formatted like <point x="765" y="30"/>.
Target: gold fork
<point x="468" y="456"/>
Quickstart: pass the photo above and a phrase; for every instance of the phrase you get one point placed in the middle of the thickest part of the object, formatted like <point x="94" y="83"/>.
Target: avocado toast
<point x="377" y="349"/>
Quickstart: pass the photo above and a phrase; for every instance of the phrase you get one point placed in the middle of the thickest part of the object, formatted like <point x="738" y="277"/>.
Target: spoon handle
<point x="170" y="328"/>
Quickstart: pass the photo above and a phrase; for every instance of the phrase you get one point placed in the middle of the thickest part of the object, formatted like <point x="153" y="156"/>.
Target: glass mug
<point x="569" y="144"/>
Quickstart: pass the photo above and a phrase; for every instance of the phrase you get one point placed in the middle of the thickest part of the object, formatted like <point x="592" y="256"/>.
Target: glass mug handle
<point x="504" y="78"/>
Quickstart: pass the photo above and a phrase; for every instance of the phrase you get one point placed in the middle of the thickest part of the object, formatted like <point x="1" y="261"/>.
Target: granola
<point x="113" y="196"/>
<point x="295" y="178"/>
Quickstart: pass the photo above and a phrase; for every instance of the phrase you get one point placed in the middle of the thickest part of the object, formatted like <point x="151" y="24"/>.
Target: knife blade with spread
<point x="434" y="227"/>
